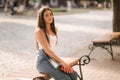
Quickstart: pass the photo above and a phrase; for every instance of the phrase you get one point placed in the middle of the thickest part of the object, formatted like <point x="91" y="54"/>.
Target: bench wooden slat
<point x="106" y="38"/>
<point x="71" y="61"/>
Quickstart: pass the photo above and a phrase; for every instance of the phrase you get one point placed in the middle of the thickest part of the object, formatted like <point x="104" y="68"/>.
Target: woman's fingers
<point x="65" y="69"/>
<point x="71" y="70"/>
<point x="68" y="69"/>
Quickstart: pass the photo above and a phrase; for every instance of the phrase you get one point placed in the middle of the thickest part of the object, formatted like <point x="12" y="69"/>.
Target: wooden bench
<point x="107" y="39"/>
<point x="72" y="62"/>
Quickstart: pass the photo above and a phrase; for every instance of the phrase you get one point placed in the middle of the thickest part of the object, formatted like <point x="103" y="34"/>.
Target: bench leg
<point x="83" y="60"/>
<point x="111" y="51"/>
<point x="91" y="48"/>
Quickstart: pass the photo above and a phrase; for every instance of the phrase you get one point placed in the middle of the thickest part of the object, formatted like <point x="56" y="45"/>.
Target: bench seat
<point x="71" y="61"/>
<point x="104" y="40"/>
<point x="107" y="38"/>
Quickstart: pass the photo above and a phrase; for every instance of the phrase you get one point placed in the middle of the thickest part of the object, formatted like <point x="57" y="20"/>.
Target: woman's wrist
<point x="64" y="64"/>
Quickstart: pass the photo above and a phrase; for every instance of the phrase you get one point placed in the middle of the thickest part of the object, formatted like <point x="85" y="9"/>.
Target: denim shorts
<point x="43" y="65"/>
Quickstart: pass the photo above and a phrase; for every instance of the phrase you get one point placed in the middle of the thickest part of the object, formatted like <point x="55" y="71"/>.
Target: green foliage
<point x="59" y="10"/>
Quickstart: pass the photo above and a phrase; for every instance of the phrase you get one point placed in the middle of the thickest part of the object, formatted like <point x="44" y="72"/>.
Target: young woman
<point x="46" y="40"/>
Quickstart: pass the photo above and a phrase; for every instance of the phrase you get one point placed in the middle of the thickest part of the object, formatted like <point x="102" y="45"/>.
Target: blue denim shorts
<point x="43" y="65"/>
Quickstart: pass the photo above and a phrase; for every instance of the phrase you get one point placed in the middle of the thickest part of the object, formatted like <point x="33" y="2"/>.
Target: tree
<point x="116" y="15"/>
<point x="62" y="3"/>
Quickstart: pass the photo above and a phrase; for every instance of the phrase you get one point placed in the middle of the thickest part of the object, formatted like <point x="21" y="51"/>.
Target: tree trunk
<point x="62" y="2"/>
<point x="116" y="15"/>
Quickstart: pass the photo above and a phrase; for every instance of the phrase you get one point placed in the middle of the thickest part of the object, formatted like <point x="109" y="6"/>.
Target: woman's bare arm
<point x="40" y="37"/>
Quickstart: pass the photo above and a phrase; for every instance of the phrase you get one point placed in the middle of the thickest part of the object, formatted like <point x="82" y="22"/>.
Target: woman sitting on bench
<point x="46" y="39"/>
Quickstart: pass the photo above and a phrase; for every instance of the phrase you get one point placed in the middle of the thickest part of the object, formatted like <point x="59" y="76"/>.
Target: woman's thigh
<point x="47" y="68"/>
<point x="44" y="66"/>
<point x="73" y="76"/>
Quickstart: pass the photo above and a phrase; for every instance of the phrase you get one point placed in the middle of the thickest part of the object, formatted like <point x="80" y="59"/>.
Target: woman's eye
<point x="46" y="15"/>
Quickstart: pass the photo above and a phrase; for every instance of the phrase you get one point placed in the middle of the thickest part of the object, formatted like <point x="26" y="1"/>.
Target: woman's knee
<point x="62" y="76"/>
<point x="75" y="73"/>
<point x="73" y="76"/>
<point x="65" y="78"/>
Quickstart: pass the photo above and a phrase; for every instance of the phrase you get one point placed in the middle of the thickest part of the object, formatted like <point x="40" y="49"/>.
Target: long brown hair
<point x="41" y="22"/>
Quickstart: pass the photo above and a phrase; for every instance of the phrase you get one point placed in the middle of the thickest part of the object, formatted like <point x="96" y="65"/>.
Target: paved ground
<point x="17" y="52"/>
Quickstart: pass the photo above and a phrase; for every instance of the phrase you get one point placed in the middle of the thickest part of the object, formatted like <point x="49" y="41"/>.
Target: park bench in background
<point x="72" y="62"/>
<point x="107" y="39"/>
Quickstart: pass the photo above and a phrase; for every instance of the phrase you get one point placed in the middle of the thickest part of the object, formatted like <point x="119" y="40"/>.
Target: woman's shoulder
<point x="56" y="29"/>
<point x="38" y="30"/>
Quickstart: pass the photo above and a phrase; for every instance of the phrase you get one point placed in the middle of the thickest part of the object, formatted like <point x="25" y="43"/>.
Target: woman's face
<point x="48" y="17"/>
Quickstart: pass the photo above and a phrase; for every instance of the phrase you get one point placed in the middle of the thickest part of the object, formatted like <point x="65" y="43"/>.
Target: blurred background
<point x="78" y="23"/>
<point x="21" y="6"/>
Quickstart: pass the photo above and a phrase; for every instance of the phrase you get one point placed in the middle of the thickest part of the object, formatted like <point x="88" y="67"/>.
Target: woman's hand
<point x="66" y="68"/>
